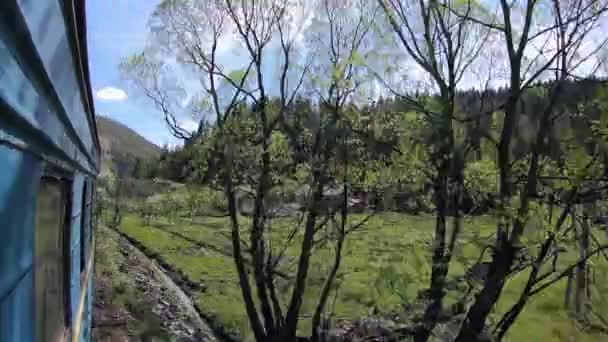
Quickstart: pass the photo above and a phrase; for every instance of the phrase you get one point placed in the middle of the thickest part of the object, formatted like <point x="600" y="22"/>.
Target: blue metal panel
<point x="20" y="95"/>
<point x="47" y="26"/>
<point x="18" y="190"/>
<point x="17" y="312"/>
<point x="28" y="83"/>
<point x="45" y="114"/>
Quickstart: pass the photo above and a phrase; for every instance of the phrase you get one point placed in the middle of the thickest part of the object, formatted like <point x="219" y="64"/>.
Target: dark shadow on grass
<point x="201" y="244"/>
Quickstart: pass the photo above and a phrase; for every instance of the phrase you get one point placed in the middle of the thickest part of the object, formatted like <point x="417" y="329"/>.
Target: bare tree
<point x="444" y="45"/>
<point x="341" y="43"/>
<point x="191" y="32"/>
<point x="443" y="38"/>
<point x="194" y="30"/>
<point x="564" y="27"/>
<point x="433" y="34"/>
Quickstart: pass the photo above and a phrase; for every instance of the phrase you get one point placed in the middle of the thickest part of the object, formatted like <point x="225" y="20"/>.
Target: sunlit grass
<point x="391" y="245"/>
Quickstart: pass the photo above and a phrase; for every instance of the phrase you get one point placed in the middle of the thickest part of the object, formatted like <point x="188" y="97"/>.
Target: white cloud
<point x="188" y="125"/>
<point x="111" y="94"/>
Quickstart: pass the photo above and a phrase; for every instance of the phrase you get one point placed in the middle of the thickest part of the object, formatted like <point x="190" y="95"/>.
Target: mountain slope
<point x="119" y="143"/>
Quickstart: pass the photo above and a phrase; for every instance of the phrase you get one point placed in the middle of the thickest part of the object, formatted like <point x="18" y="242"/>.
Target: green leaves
<point x="481" y="178"/>
<point x="338" y="72"/>
<point x="395" y="281"/>
<point x="357" y="59"/>
<point x="279" y="150"/>
<point x="238" y="75"/>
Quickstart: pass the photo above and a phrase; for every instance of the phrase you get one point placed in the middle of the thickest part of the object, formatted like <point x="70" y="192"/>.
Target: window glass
<point x="90" y="214"/>
<point x="50" y="262"/>
<point x="84" y="227"/>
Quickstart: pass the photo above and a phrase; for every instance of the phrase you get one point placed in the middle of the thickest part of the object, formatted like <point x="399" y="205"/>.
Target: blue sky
<point x="117" y="29"/>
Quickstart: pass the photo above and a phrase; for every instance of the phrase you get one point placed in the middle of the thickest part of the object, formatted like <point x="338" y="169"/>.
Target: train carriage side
<point x="49" y="160"/>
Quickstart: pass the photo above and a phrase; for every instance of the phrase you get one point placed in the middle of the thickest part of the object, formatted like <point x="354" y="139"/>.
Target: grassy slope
<point x="117" y="295"/>
<point x="120" y="296"/>
<point x="392" y="244"/>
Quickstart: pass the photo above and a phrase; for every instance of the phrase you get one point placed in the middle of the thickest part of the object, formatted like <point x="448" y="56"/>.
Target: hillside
<point x="121" y="143"/>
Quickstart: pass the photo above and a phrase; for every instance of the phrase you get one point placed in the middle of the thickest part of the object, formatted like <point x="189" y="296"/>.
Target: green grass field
<point x="387" y="260"/>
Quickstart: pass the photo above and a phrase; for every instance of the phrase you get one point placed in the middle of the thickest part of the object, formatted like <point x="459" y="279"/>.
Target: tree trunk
<point x="580" y="290"/>
<point x="291" y="317"/>
<point x="252" y="314"/>
<point x="502" y="258"/>
<point x="568" y="294"/>
<point x="439" y="263"/>
<point x="317" y="317"/>
<point x="257" y="236"/>
<point x="472" y="327"/>
<point x="449" y="189"/>
<point x="317" y="329"/>
<point x="510" y="316"/>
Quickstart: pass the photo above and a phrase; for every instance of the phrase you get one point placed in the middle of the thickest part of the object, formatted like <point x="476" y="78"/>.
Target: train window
<point x="92" y="214"/>
<point x="83" y="227"/>
<point x="51" y="260"/>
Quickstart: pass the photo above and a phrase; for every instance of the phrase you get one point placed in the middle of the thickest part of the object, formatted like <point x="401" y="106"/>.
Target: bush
<point x="215" y="200"/>
<point x="200" y="201"/>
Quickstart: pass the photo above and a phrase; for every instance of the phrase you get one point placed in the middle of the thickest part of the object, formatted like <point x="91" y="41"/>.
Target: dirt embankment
<point x="136" y="301"/>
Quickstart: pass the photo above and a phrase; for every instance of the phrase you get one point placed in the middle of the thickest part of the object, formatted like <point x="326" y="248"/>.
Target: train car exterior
<point x="49" y="160"/>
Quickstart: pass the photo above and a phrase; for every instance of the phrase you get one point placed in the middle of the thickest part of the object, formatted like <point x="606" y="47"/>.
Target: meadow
<point x="385" y="264"/>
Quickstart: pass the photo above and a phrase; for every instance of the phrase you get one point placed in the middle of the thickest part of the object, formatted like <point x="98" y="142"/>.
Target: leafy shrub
<point x="200" y="201"/>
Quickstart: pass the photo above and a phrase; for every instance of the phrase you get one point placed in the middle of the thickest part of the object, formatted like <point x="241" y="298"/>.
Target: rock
<point x="189" y="329"/>
<point x="376" y="326"/>
<point x="368" y="329"/>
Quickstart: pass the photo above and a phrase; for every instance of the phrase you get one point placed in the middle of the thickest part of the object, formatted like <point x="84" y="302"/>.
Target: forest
<point x="378" y="170"/>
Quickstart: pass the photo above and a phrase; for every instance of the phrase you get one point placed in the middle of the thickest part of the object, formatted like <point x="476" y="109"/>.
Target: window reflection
<point x="50" y="262"/>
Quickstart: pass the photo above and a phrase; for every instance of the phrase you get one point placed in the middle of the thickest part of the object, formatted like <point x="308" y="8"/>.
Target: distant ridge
<point x="121" y="142"/>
